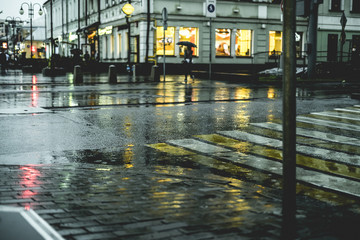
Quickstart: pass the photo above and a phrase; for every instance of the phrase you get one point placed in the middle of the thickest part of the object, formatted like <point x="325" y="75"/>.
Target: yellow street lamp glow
<point x="128" y="9"/>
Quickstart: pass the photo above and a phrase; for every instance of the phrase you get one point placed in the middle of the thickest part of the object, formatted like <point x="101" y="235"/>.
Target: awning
<point x="91" y="27"/>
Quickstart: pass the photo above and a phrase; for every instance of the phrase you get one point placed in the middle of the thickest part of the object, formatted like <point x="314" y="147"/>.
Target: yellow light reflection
<point x="222" y="94"/>
<point x="242" y="93"/>
<point x="242" y="116"/>
<point x="271" y="93"/>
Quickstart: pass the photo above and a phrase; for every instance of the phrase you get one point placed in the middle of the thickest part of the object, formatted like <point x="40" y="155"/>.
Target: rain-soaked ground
<point x="122" y="149"/>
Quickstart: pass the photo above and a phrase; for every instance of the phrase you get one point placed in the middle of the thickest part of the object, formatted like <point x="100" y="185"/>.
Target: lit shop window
<point x="190" y="35"/>
<point x="169" y="41"/>
<point x="275" y="43"/>
<point x="243" y="43"/>
<point x="222" y="41"/>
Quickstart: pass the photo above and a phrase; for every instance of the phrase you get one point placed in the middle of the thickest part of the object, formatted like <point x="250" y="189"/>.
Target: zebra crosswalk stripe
<point x="339" y="116"/>
<point x="235" y="151"/>
<point x="301" y="160"/>
<point x="328" y="123"/>
<point x="326" y="154"/>
<point x="311" y="177"/>
<point x="312" y="134"/>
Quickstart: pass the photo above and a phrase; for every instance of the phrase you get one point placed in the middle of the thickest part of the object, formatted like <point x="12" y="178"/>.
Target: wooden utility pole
<point x="289" y="121"/>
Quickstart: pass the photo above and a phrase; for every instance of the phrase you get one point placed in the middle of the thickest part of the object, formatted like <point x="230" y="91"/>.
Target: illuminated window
<point x="190" y="35"/>
<point x="119" y="44"/>
<point x="169" y="41"/>
<point x="243" y="43"/>
<point x="112" y="46"/>
<point x="275" y="43"/>
<point x="222" y="41"/>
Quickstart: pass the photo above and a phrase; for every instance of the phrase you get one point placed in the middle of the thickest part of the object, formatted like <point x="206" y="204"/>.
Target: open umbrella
<point x="186" y="43"/>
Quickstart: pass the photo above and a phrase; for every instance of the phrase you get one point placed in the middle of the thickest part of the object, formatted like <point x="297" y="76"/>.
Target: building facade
<point x="330" y="45"/>
<point x="241" y="32"/>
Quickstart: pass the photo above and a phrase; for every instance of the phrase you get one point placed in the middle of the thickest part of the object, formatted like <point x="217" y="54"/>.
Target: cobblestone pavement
<point x="84" y="201"/>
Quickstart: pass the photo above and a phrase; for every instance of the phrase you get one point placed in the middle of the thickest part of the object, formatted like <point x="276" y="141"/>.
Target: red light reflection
<point x="29" y="179"/>
<point x="34" y="93"/>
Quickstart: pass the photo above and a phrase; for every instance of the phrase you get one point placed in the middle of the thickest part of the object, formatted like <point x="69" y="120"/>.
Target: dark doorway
<point x="355" y="49"/>
<point x="332" y="47"/>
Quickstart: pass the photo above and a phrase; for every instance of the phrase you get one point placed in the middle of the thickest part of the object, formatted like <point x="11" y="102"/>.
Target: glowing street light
<point x="31" y="16"/>
<point x="128" y="9"/>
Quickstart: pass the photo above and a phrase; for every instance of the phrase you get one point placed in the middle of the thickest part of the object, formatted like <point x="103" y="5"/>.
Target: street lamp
<point x="128" y="9"/>
<point x="31" y="16"/>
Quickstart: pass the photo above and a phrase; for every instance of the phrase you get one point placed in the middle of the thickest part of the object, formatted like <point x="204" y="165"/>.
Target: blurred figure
<point x="188" y="62"/>
<point x="3" y="62"/>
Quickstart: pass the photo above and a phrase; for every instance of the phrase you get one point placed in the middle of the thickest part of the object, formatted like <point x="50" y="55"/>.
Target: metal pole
<point x="31" y="39"/>
<point x="313" y="23"/>
<point x="210" y="51"/>
<point x="51" y="36"/>
<point x="78" y="31"/>
<point x="289" y="122"/>
<point x="129" y="43"/>
<point x="164" y="56"/>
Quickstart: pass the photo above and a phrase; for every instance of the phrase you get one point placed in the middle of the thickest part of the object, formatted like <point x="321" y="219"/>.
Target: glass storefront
<point x="191" y="35"/>
<point x="169" y="41"/>
<point x="243" y="39"/>
<point x="275" y="43"/>
<point x="222" y="41"/>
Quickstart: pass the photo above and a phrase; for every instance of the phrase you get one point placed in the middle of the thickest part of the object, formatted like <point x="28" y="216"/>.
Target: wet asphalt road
<point x="92" y="143"/>
<point x="56" y="121"/>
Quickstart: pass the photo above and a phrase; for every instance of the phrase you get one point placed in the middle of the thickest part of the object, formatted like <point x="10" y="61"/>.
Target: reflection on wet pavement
<point x="61" y="92"/>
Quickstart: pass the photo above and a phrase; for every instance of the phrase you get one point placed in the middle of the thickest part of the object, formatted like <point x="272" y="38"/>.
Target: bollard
<point x="133" y="70"/>
<point x="112" y="77"/>
<point x="155" y="73"/>
<point x="78" y="76"/>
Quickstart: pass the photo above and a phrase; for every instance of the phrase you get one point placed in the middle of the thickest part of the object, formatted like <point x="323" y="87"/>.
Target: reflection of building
<point x="243" y="32"/>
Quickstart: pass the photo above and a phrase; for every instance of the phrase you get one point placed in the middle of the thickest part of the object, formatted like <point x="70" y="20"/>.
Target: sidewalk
<point x="108" y="202"/>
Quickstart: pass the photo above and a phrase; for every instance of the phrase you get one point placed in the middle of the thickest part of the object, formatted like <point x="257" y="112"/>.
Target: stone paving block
<point x="49" y="211"/>
<point x="169" y="226"/>
<point x="21" y="200"/>
<point x="161" y="235"/>
<point x="61" y="220"/>
<point x="111" y="228"/>
<point x="77" y="224"/>
<point x="196" y="236"/>
<point x="142" y="224"/>
<point x="68" y="232"/>
<point x="96" y="236"/>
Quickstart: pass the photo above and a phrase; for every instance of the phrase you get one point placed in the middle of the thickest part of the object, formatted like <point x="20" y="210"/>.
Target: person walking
<point x="188" y="62"/>
<point x="3" y="63"/>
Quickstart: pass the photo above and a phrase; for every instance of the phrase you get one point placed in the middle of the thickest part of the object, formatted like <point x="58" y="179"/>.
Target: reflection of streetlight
<point x="13" y="21"/>
<point x="128" y="9"/>
<point x="31" y="16"/>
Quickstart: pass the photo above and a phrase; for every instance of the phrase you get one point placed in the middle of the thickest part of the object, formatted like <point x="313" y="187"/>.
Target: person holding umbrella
<point x="187" y="57"/>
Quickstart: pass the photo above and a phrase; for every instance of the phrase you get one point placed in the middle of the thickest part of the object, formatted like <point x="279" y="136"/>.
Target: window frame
<point x="249" y="43"/>
<point x="171" y="36"/>
<point x="228" y="40"/>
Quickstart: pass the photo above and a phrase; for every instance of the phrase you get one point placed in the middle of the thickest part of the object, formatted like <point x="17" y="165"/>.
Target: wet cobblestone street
<point x="110" y="202"/>
<point x="174" y="160"/>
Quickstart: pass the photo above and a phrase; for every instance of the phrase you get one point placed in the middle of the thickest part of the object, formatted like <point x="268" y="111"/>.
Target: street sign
<point x="343" y="20"/>
<point x="210" y="10"/>
<point x="164" y="18"/>
<point x="164" y="14"/>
